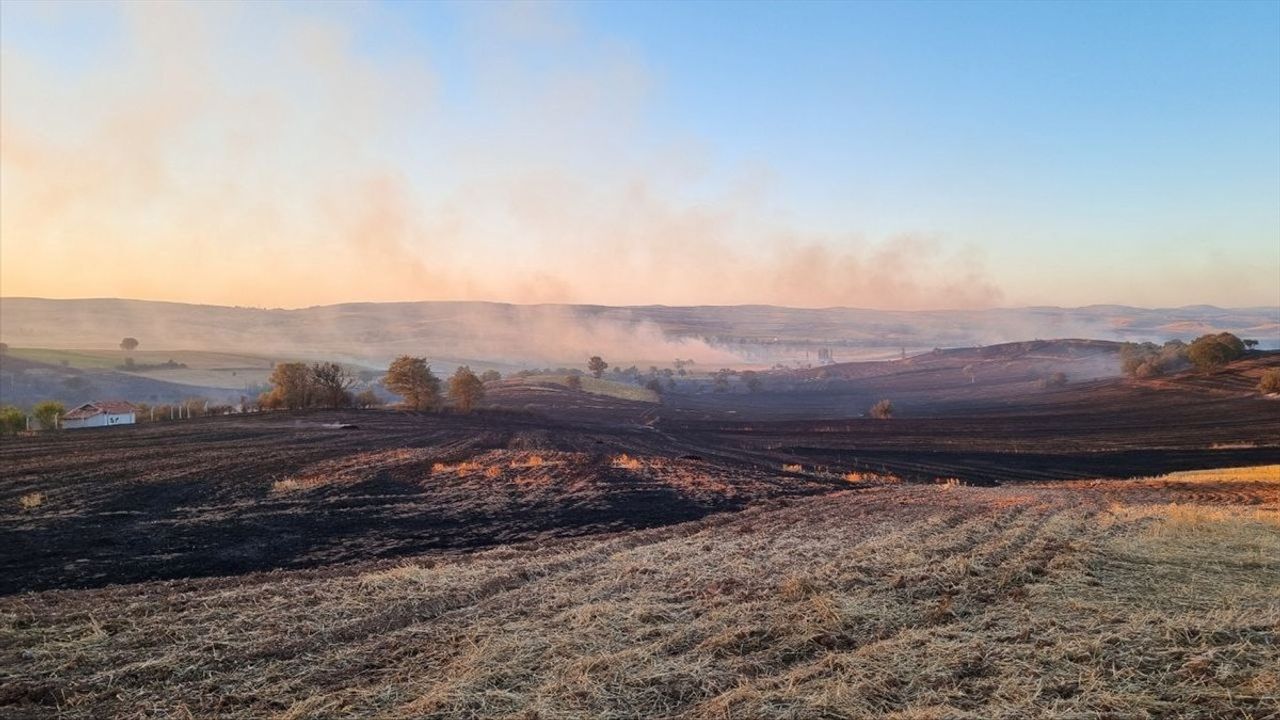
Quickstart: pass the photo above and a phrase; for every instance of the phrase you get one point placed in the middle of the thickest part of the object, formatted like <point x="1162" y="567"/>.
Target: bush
<point x="1270" y="381"/>
<point x="882" y="410"/>
<point x="47" y="413"/>
<point x="12" y="420"/>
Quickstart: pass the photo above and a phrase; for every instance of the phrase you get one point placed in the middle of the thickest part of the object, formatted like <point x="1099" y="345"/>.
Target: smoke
<point x="264" y="155"/>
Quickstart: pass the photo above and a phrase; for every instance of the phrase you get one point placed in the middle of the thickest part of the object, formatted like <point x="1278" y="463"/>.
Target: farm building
<point x="99" y="414"/>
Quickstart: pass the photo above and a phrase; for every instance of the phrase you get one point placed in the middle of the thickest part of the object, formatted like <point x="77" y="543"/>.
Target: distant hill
<point x="497" y="333"/>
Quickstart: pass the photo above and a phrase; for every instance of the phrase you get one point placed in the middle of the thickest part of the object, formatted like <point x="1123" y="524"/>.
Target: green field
<point x="204" y="368"/>
<point x="623" y="391"/>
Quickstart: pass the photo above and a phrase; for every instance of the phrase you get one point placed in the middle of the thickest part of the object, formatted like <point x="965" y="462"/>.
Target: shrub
<point x="12" y="420"/>
<point x="1270" y="381"/>
<point x="31" y="500"/>
<point x="47" y="413"/>
<point x="882" y="410"/>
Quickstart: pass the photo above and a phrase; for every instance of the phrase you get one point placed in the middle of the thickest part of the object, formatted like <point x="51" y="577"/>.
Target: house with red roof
<point x="100" y="414"/>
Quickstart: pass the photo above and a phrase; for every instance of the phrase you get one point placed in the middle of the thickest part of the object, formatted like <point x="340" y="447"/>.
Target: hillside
<point x="23" y="382"/>
<point x="498" y="334"/>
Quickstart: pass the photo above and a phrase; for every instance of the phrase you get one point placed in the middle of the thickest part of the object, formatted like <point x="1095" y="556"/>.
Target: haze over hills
<point x="524" y="334"/>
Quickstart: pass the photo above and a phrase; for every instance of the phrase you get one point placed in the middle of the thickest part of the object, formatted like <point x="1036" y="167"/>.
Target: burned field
<point x="572" y="555"/>
<point x="227" y="496"/>
<point x="232" y="495"/>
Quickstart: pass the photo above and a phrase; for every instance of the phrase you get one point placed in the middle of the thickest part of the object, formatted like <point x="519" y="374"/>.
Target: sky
<point x="880" y="155"/>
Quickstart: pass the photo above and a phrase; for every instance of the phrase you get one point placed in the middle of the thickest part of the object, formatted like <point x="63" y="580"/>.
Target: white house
<point x="100" y="414"/>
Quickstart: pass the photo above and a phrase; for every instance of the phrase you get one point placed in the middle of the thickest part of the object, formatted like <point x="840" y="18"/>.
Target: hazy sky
<point x="900" y="155"/>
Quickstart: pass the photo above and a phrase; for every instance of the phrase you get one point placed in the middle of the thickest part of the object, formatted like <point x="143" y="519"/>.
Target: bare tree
<point x="331" y="385"/>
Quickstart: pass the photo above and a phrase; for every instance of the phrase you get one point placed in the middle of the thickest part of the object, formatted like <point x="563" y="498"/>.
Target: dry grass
<point x="286" y="485"/>
<point x="891" y="601"/>
<point x="859" y="477"/>
<point x="792" y="467"/>
<point x="627" y="462"/>
<point x="31" y="500"/>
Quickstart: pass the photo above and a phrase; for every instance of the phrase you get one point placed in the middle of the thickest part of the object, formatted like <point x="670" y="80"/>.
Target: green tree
<point x="465" y="389"/>
<point x="12" y="420"/>
<point x="411" y="378"/>
<point x="291" y="386"/>
<point x="597" y="366"/>
<point x="47" y="413"/>
<point x="1208" y="352"/>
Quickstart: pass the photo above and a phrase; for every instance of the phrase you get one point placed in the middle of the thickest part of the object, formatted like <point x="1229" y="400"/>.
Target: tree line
<point x="296" y="385"/>
<point x="1205" y="353"/>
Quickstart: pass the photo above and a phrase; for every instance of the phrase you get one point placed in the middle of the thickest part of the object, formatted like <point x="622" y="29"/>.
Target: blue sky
<point x="1045" y="153"/>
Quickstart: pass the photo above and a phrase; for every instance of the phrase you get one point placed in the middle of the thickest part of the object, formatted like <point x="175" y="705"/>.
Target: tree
<point x="1145" y="360"/>
<point x="4" y="348"/>
<point x="12" y="420"/>
<point x="330" y="385"/>
<point x="882" y="410"/>
<point x="411" y="378"/>
<point x="465" y="389"/>
<point x="1270" y="381"/>
<point x="597" y="366"/>
<point x="292" y="386"/>
<point x="129" y="344"/>
<point x="490" y="376"/>
<point x="752" y="380"/>
<point x="720" y="380"/>
<point x="1213" y="351"/>
<point x="367" y="398"/>
<point x="47" y="413"/>
<point x="573" y="382"/>
<point x="654" y="385"/>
